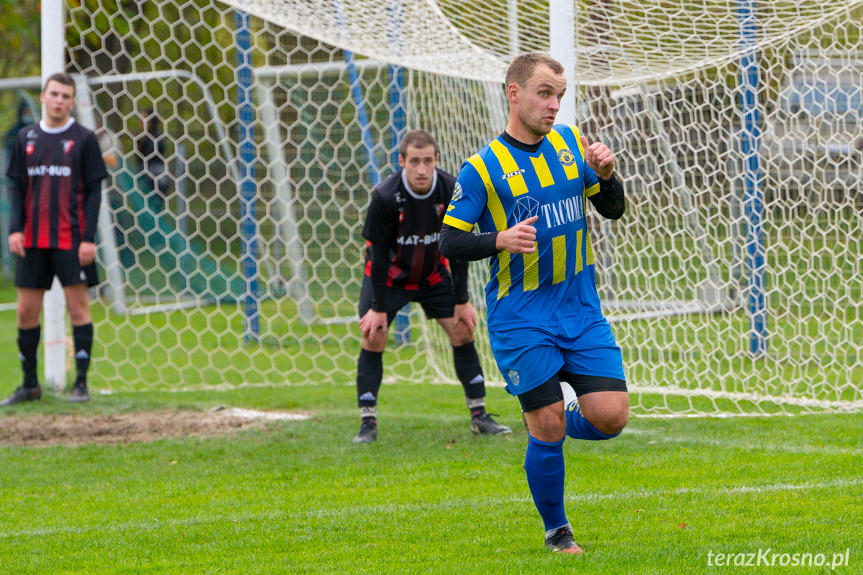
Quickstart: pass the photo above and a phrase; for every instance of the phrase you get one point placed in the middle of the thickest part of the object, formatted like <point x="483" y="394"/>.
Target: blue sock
<point x="544" y="466"/>
<point x="579" y="428"/>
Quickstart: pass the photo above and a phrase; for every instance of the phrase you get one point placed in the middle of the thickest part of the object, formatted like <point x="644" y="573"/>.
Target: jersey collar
<point x="529" y="148"/>
<point x="59" y="130"/>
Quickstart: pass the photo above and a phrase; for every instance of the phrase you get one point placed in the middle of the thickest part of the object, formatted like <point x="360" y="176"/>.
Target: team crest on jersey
<point x="30" y="148"/>
<point x="513" y="376"/>
<point x="438" y="208"/>
<point x="67" y="145"/>
<point x="457" y="192"/>
<point x="32" y="134"/>
<point x="565" y="156"/>
<point x="512" y="174"/>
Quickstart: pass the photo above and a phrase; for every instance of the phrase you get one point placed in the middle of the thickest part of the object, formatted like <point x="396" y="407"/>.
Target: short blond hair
<point x="522" y="67"/>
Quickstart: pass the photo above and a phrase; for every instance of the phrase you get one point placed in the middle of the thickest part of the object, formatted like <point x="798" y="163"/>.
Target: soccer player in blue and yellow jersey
<point x="404" y="264"/>
<point x="526" y="192"/>
<point x="56" y="172"/>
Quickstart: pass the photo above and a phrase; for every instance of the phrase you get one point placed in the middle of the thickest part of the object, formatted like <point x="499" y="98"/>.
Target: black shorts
<point x="39" y="266"/>
<point x="550" y="392"/>
<point x="437" y="301"/>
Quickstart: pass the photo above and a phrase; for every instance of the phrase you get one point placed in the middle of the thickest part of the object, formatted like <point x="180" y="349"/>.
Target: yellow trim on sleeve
<point x="510" y="168"/>
<point x="457" y="223"/>
<point x="592" y="190"/>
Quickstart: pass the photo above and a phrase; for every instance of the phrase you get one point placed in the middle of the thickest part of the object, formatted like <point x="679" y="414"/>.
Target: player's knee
<point x="460" y="336"/>
<point x="28" y="315"/>
<point x="612" y="422"/>
<point x="28" y="311"/>
<point x="79" y="315"/>
<point x="378" y="343"/>
<point x="547" y="424"/>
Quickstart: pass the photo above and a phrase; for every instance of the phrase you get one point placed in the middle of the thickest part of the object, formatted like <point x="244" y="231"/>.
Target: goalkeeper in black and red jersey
<point x="404" y="264"/>
<point x="56" y="171"/>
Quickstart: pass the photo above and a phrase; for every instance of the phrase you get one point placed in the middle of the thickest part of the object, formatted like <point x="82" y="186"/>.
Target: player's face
<point x="58" y="100"/>
<point x="419" y="165"/>
<point x="538" y="101"/>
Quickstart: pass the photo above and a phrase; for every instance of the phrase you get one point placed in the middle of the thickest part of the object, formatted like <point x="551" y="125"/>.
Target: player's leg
<point x="370" y="372"/>
<point x="529" y="360"/>
<point x="76" y="280"/>
<point x="595" y="415"/>
<point x="29" y="334"/>
<point x="594" y="370"/>
<point x="32" y="277"/>
<point x="438" y="302"/>
<point x="78" y="303"/>
<point x="370" y="369"/>
<point x="544" y="464"/>
<point x="470" y="375"/>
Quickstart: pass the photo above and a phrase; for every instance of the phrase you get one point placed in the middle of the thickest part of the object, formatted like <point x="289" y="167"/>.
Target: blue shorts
<point x="528" y="357"/>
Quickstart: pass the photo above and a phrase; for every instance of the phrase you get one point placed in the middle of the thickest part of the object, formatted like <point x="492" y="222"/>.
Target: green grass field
<point x="428" y="497"/>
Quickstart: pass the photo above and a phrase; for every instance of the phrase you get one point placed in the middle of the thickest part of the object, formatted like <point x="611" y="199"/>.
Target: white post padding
<point x="561" y="28"/>
<point x="54" y="332"/>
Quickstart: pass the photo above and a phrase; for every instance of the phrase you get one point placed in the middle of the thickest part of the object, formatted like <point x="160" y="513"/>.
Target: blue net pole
<point x="402" y="327"/>
<point x="248" y="223"/>
<point x="752" y="197"/>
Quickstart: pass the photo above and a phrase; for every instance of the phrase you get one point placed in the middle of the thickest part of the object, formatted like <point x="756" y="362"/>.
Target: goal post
<point x="54" y="304"/>
<point x="742" y="171"/>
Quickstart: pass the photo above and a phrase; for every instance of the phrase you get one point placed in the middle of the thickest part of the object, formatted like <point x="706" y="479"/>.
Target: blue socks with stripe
<point x="544" y="465"/>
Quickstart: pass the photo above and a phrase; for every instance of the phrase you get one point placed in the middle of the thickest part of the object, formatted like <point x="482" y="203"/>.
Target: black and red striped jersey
<point x="409" y="224"/>
<point x="56" y="191"/>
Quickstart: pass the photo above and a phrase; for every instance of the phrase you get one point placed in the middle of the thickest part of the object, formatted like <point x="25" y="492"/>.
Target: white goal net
<point x="734" y="281"/>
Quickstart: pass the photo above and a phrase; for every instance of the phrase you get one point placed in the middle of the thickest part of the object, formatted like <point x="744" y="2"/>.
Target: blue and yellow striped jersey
<point x="502" y="185"/>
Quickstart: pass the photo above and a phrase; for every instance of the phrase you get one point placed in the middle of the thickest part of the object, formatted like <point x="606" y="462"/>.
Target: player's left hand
<point x="86" y="253"/>
<point x="464" y="316"/>
<point x="599" y="157"/>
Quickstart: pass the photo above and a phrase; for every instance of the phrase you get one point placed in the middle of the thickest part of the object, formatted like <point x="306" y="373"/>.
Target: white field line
<point x="268" y="415"/>
<point x="365" y="510"/>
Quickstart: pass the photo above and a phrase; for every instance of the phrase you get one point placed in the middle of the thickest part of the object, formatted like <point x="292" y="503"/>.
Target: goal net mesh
<point x="733" y="281"/>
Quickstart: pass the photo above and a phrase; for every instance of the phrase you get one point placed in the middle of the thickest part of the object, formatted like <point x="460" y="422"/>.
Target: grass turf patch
<point x="427" y="497"/>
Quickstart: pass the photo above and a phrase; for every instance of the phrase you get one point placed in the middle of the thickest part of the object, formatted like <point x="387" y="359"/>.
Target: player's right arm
<point x="374" y="323"/>
<point x="16" y="173"/>
<point x="466" y="246"/>
<point x="469" y="199"/>
<point x="379" y="230"/>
